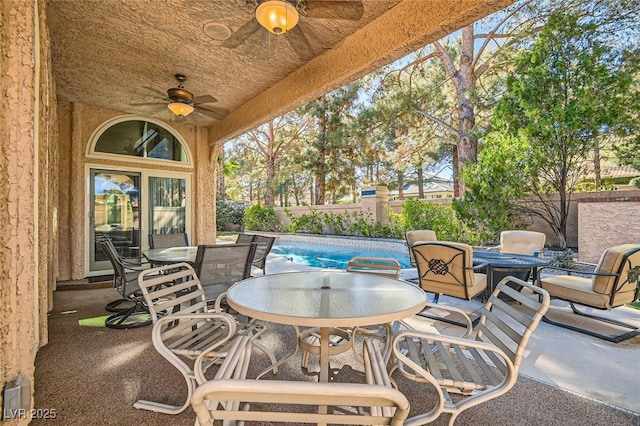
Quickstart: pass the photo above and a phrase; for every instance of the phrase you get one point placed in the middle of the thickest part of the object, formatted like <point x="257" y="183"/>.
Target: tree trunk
<point x="400" y="185"/>
<point x="457" y="185"/>
<point x="221" y="191"/>
<point x="596" y="166"/>
<point x="321" y="167"/>
<point x="270" y="163"/>
<point x="420" y="181"/>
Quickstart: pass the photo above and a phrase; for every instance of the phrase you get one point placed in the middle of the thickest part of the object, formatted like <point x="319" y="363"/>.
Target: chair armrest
<point x="134" y="266"/>
<point x="577" y="271"/>
<point x="217" y="306"/>
<point x="464" y="315"/>
<point x="479" y="266"/>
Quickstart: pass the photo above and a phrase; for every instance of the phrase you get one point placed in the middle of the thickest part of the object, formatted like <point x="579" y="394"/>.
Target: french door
<point x="126" y="206"/>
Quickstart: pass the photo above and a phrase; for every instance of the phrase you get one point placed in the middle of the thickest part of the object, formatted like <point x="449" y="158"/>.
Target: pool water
<point x="326" y="256"/>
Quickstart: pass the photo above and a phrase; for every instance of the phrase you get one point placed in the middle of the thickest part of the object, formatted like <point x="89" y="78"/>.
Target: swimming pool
<point x="328" y="256"/>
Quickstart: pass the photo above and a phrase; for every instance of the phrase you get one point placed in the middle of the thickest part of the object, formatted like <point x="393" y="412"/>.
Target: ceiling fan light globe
<point x="180" y="109"/>
<point x="277" y="16"/>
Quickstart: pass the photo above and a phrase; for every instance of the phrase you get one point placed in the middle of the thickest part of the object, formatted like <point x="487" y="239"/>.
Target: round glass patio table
<point x="326" y="300"/>
<point x="166" y="256"/>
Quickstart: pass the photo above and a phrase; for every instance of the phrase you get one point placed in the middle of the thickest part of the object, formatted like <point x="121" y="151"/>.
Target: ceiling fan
<point x="282" y="16"/>
<point x="181" y="102"/>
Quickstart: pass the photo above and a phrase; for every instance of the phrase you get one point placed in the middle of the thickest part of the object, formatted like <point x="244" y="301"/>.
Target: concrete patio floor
<point x="590" y="367"/>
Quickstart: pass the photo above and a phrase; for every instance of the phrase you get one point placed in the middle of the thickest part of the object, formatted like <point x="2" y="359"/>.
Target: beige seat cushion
<point x="575" y="289"/>
<point x="521" y="242"/>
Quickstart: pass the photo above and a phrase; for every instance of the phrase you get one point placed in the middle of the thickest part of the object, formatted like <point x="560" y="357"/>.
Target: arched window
<point x="140" y="138"/>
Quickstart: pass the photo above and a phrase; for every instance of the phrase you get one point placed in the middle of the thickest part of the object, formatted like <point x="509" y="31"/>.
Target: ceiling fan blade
<point x="243" y="33"/>
<point x="213" y="112"/>
<point x="156" y="91"/>
<point x="300" y="43"/>
<point x="147" y="103"/>
<point x="335" y="9"/>
<point x="204" y="99"/>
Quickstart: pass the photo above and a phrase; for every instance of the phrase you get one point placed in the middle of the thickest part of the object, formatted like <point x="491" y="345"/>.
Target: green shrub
<point x="563" y="259"/>
<point x="258" y="218"/>
<point x="229" y="212"/>
<point x="635" y="182"/>
<point x="311" y="223"/>
<point x="440" y="218"/>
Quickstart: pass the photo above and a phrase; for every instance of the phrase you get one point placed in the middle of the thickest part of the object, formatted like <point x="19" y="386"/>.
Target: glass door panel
<point x="115" y="213"/>
<point x="167" y="205"/>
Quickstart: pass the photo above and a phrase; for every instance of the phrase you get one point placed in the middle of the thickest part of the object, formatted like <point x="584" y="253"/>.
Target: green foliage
<point x="311" y="223"/>
<point x="229" y="212"/>
<point x="493" y="187"/>
<point x="563" y="96"/>
<point x="635" y="182"/>
<point x="440" y="218"/>
<point x="355" y="223"/>
<point x="258" y="218"/>
<point x="564" y="259"/>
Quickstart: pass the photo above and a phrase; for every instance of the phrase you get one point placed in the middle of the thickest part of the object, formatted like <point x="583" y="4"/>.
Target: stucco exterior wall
<point x="604" y="224"/>
<point x="27" y="211"/>
<point x="77" y="123"/>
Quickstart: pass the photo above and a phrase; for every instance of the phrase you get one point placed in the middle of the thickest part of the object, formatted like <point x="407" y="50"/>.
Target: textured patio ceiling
<point x="115" y="53"/>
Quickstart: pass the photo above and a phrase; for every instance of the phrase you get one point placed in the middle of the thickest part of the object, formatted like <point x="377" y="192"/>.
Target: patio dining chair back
<point x="615" y="282"/>
<point x="157" y="241"/>
<point x="521" y="242"/>
<point x="263" y="245"/>
<point x="385" y="266"/>
<point x="446" y="267"/>
<point x="220" y="266"/>
<point x="415" y="236"/>
<point x="129" y="311"/>
<point x="297" y="402"/>
<point x="244" y="238"/>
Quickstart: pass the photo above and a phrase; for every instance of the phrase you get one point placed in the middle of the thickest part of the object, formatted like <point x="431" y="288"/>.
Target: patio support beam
<point x="403" y="29"/>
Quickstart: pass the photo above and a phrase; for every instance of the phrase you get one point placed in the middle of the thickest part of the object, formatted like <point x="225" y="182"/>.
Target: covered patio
<point x="69" y="67"/>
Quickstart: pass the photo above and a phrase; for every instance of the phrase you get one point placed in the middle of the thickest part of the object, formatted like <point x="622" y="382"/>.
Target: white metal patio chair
<point x="481" y="368"/>
<point x="268" y="401"/>
<point x="184" y="330"/>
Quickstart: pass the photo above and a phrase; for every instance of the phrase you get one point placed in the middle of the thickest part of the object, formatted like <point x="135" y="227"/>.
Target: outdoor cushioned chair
<point x="615" y="282"/>
<point x="157" y="241"/>
<point x="184" y="330"/>
<point x="413" y="237"/>
<point x="476" y="369"/>
<point x="280" y="401"/>
<point x="130" y="310"/>
<point x="446" y="267"/>
<point x="521" y="242"/>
